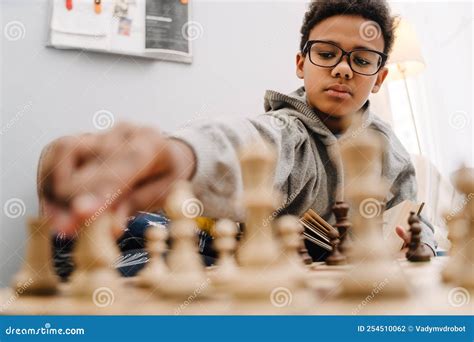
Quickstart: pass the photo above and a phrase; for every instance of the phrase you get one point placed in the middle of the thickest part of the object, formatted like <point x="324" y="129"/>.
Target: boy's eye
<point x="326" y="55"/>
<point x="361" y="61"/>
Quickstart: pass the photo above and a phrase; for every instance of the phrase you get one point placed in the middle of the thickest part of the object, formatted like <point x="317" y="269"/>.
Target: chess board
<point x="428" y="296"/>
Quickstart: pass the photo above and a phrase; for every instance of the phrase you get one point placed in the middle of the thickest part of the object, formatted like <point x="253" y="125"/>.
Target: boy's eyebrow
<point x="355" y="47"/>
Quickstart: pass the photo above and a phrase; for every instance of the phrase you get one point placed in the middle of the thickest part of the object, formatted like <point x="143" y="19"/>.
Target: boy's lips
<point x="339" y="90"/>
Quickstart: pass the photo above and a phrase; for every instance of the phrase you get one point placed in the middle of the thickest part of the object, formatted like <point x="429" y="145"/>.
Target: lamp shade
<point x="406" y="58"/>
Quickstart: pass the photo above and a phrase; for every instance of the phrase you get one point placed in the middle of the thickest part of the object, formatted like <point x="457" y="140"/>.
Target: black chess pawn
<point x="303" y="252"/>
<point x="343" y="225"/>
<point x="417" y="251"/>
<point x="336" y="257"/>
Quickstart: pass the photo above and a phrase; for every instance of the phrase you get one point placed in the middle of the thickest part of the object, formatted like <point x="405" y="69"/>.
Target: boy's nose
<point x="342" y="70"/>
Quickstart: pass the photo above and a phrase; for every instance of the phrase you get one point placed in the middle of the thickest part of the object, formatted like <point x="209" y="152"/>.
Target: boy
<point x="344" y="47"/>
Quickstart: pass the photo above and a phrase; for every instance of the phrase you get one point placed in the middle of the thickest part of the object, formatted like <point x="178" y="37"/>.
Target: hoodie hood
<point x="295" y="104"/>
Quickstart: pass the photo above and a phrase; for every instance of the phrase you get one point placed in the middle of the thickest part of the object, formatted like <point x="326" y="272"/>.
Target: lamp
<point x="405" y="61"/>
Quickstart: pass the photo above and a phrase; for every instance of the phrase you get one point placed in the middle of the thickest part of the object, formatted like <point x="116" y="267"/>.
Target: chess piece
<point x="225" y="233"/>
<point x="94" y="256"/>
<point x="336" y="257"/>
<point x="343" y="225"/>
<point x="462" y="229"/>
<point x="290" y="232"/>
<point x="186" y="272"/>
<point x="156" y="268"/>
<point x="457" y="234"/>
<point x="372" y="263"/>
<point x="417" y="251"/>
<point x="36" y="276"/>
<point x="303" y="252"/>
<point x="257" y="254"/>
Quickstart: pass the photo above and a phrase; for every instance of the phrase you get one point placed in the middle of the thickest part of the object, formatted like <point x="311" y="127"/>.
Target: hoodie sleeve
<point x="216" y="143"/>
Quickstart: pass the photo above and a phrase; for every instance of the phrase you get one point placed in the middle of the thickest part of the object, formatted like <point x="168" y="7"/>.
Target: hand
<point x="405" y="236"/>
<point x="125" y="169"/>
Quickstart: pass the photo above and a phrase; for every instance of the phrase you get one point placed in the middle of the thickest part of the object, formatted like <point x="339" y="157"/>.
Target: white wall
<point x="246" y="48"/>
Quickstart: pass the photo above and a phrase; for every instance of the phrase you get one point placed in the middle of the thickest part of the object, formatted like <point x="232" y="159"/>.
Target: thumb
<point x="403" y="234"/>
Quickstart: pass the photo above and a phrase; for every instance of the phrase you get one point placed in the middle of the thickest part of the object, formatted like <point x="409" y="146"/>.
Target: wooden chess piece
<point x="343" y="225"/>
<point x="156" y="268"/>
<point x="336" y="257"/>
<point x="257" y="253"/>
<point x="94" y="256"/>
<point x="417" y="251"/>
<point x="289" y="231"/>
<point x="186" y="272"/>
<point x="36" y="276"/>
<point x="225" y="233"/>
<point x="463" y="274"/>
<point x="304" y="254"/>
<point x="372" y="263"/>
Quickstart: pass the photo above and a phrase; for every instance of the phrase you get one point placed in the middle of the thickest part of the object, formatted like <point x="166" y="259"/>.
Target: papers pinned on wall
<point x="159" y="29"/>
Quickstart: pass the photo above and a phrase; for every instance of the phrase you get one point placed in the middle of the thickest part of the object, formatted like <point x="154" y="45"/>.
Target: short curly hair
<point x="373" y="10"/>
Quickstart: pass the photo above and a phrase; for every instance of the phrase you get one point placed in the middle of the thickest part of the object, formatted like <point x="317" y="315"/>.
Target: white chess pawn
<point x="36" y="276"/>
<point x="289" y="230"/>
<point x="225" y="233"/>
<point x="186" y="272"/>
<point x="156" y="268"/>
<point x="94" y="256"/>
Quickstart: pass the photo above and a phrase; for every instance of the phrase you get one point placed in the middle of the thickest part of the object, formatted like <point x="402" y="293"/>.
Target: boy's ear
<point x="382" y="74"/>
<point x="300" y="65"/>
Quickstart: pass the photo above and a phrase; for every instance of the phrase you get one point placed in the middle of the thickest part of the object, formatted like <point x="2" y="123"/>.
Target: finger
<point x="138" y="160"/>
<point x="150" y="196"/>
<point x="60" y="219"/>
<point x="403" y="234"/>
<point x="66" y="155"/>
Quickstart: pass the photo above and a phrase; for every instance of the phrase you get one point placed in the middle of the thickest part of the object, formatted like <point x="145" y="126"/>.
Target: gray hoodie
<point x="309" y="170"/>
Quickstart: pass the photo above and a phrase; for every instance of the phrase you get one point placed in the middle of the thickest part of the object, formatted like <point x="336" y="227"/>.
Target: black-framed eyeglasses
<point x="327" y="55"/>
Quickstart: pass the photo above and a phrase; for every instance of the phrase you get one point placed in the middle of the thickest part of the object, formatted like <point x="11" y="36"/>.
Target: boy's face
<point x="345" y="32"/>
